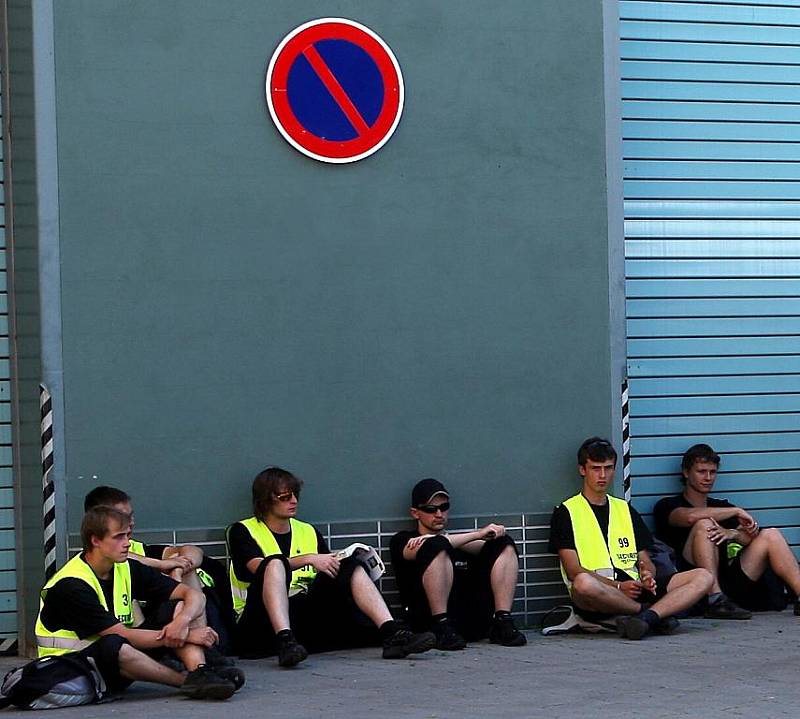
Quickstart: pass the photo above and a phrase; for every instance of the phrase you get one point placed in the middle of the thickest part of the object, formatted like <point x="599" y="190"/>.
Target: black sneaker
<point x="447" y="638"/>
<point x="503" y="631"/>
<point x="797" y="608"/>
<point x="667" y="626"/>
<point x="205" y="683"/>
<point x="215" y="658"/>
<point x="404" y="642"/>
<point x="232" y="674"/>
<point x="290" y="652"/>
<point x="726" y="609"/>
<point x="632" y="627"/>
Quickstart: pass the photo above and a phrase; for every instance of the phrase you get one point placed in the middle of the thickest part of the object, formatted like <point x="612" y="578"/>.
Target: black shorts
<point x="105" y="653"/>
<point x="471" y="602"/>
<point x="323" y="619"/>
<point x="760" y="595"/>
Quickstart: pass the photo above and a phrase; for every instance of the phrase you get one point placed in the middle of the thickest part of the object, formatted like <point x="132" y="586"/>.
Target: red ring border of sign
<point x="281" y="112"/>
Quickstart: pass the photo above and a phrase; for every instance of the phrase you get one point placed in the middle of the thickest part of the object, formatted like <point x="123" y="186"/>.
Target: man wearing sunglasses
<point x="460" y="585"/>
<point x="292" y="596"/>
<point x="602" y="543"/>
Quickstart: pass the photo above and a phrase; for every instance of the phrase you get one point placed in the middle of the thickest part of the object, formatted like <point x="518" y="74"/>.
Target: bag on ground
<point x="52" y="682"/>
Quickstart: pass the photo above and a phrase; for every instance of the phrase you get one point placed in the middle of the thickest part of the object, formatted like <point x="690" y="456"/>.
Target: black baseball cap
<point x="425" y="490"/>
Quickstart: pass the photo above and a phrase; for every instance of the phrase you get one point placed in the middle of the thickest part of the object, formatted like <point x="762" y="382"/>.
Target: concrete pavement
<point x="708" y="669"/>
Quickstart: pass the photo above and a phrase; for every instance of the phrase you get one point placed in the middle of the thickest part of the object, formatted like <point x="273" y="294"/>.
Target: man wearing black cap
<point x="453" y="582"/>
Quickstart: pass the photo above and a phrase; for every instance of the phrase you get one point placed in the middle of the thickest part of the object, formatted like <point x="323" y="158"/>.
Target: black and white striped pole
<point x="626" y="442"/>
<point x="48" y="488"/>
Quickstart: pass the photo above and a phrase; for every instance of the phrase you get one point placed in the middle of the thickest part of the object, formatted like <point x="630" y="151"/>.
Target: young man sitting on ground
<point x="285" y="582"/>
<point x="602" y="543"/>
<point x="724" y="539"/>
<point x="86" y="607"/>
<point x="462" y="584"/>
<point x="186" y="564"/>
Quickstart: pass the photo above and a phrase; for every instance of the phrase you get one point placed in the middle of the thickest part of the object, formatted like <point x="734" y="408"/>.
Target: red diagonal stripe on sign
<point x="335" y="89"/>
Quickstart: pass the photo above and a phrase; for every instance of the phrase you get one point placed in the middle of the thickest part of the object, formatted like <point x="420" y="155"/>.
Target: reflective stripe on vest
<point x="304" y="541"/>
<point x="593" y="552"/>
<point x="62" y="641"/>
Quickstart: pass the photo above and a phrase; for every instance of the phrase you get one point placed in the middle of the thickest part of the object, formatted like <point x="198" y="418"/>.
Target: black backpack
<point x="52" y="682"/>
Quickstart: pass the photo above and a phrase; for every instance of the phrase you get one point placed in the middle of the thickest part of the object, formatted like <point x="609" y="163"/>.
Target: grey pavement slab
<point x="708" y="669"/>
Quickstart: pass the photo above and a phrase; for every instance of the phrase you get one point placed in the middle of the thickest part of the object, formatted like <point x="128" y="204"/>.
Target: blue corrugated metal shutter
<point x="711" y="129"/>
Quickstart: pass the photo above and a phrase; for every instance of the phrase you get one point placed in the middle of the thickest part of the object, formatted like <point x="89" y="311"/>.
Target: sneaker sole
<point x="518" y="641"/>
<point x="423" y="643"/>
<point x="630" y="628"/>
<point x="293" y="659"/>
<point x="729" y="617"/>
<point x="217" y="692"/>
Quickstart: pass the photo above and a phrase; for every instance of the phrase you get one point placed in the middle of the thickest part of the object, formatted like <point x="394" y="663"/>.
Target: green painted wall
<point x="440" y="308"/>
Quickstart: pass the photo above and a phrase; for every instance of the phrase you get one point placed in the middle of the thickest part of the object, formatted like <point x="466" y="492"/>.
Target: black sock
<point x="439" y="618"/>
<point x="715" y="597"/>
<point x="387" y="629"/>
<point x="502" y="614"/>
<point x="650" y="617"/>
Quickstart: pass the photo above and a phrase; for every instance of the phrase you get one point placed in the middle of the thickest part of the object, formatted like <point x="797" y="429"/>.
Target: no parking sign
<point x="334" y="90"/>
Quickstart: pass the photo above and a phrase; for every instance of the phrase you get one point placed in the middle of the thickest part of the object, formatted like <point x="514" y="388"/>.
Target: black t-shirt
<point x="676" y="537"/>
<point x="72" y="604"/>
<point x="563" y="537"/>
<point x="243" y="548"/>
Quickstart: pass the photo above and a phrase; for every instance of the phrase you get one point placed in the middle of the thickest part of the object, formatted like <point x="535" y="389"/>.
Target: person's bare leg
<point x="437" y="581"/>
<point x="588" y="592"/>
<point x="192" y="655"/>
<point x="275" y="596"/>
<point x="136" y="665"/>
<point x="769" y="549"/>
<point x="700" y="551"/>
<point x="189" y="578"/>
<point x="367" y="597"/>
<point x="503" y="579"/>
<point x="683" y="591"/>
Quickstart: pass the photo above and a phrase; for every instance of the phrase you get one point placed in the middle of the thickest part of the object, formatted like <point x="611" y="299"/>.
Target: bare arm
<point x="465" y="540"/>
<point x="165" y="566"/>
<point x="413" y="545"/>
<point x="687" y="516"/>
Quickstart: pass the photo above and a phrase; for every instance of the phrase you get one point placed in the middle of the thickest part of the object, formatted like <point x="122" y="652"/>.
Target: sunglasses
<point x="433" y="508"/>
<point x="286" y="496"/>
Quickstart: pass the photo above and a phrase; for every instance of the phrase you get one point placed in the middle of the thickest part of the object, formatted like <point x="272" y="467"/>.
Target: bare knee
<point x="700" y="528"/>
<point x="771" y="535"/>
<point x="275" y="570"/>
<point x="584" y="586"/>
<point x="701" y="578"/>
<point x="127" y="653"/>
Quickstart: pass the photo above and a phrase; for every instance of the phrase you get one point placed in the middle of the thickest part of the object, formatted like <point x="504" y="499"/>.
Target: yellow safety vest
<point x="137" y="548"/>
<point x="62" y="641"/>
<point x="304" y="541"/>
<point x="594" y="553"/>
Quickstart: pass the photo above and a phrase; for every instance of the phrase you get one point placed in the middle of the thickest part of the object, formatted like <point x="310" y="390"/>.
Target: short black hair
<point x="597" y="449"/>
<point x="104" y="497"/>
<point x="698" y="453"/>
